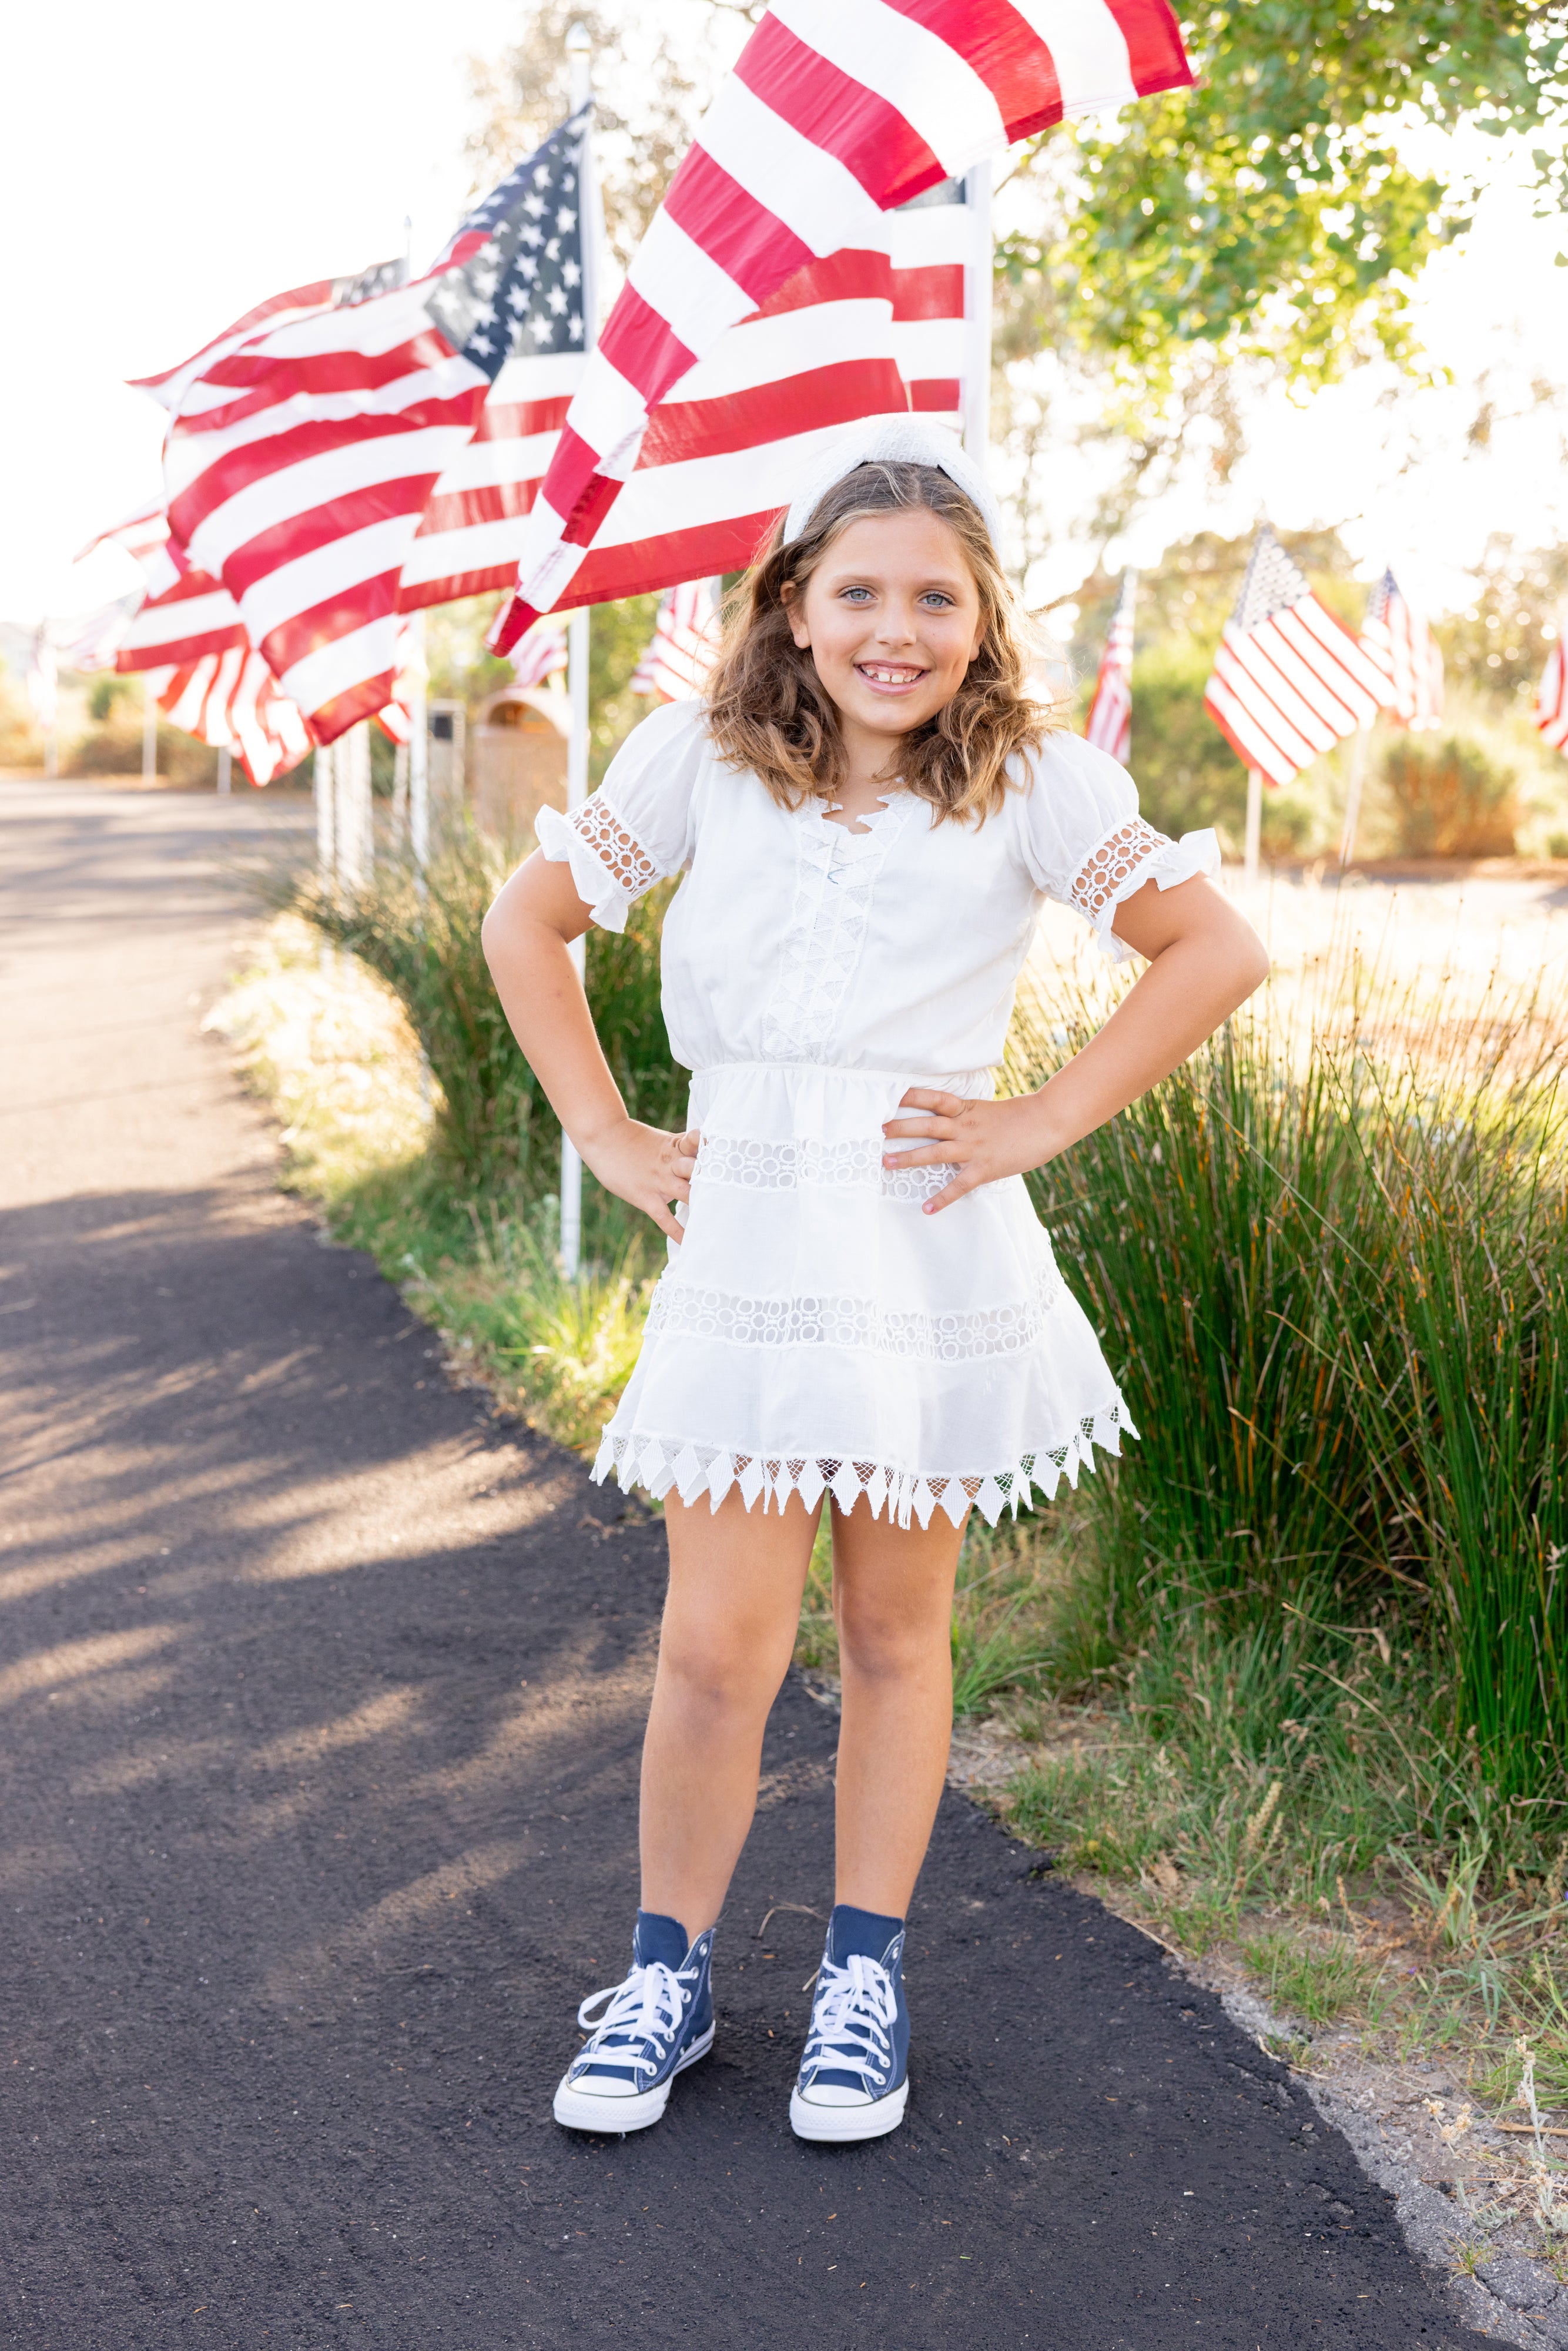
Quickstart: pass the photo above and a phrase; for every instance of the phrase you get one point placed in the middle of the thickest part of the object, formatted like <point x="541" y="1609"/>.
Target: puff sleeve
<point x="636" y="829"/>
<point x="1086" y="846"/>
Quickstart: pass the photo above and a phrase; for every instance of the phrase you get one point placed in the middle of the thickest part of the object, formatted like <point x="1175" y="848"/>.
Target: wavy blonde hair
<point x="767" y="709"/>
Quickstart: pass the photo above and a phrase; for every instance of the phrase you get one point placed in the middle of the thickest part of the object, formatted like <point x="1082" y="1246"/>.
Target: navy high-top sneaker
<point x="854" y="2075"/>
<point x="659" y="2021"/>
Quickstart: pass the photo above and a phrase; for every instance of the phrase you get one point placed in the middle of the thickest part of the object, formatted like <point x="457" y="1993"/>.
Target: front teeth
<point x="890" y="676"/>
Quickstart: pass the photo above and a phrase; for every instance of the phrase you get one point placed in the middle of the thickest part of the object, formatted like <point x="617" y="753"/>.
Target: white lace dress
<point x="815" y="1331"/>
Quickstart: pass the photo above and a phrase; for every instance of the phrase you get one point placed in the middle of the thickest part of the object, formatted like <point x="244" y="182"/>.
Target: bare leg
<point x="736" y="1581"/>
<point x="892" y="1598"/>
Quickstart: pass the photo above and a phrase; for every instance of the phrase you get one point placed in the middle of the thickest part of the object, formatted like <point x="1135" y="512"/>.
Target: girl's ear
<point x="795" y="614"/>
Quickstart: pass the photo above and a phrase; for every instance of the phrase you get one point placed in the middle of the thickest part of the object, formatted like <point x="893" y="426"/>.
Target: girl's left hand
<point x="981" y="1140"/>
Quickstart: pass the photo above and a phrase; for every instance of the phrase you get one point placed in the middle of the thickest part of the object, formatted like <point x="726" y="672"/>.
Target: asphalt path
<point x="320" y="1697"/>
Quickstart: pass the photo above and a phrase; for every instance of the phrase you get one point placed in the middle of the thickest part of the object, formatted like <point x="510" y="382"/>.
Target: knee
<point x="716" y="1674"/>
<point x="887" y="1645"/>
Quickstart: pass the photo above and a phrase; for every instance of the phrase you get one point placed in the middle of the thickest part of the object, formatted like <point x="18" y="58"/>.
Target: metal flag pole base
<point x="1254" y="821"/>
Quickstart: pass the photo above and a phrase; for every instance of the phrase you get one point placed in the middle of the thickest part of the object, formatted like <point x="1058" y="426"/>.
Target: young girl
<point x="860" y="1306"/>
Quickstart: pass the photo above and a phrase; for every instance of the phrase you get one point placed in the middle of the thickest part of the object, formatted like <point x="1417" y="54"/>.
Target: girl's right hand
<point x="645" y="1167"/>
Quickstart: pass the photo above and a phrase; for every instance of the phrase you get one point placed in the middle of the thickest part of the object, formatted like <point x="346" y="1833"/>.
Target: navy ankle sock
<point x="865" y="1931"/>
<point x="658" y="1938"/>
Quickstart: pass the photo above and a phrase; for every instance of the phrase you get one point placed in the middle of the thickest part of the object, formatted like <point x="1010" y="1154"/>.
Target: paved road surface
<point x="320" y="1695"/>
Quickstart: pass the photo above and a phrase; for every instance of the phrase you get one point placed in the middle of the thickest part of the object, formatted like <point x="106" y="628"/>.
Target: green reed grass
<point x="1329" y="1258"/>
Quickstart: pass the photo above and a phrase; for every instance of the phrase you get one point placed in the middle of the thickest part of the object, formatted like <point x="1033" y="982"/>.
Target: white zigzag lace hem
<point x="661" y="1463"/>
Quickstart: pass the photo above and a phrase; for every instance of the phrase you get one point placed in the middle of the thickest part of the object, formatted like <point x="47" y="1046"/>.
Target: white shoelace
<point x="648" y="2006"/>
<point x="852" y="2022"/>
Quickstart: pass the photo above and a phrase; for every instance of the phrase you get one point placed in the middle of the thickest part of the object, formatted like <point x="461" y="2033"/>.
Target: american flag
<point x="299" y="463"/>
<point x="1110" y="720"/>
<point x="1404" y="648"/>
<point x="684" y="645"/>
<point x="1288" y="680"/>
<point x="300" y="302"/>
<point x="837" y="111"/>
<point x="231" y="701"/>
<point x="543" y="652"/>
<point x="1551" y="711"/>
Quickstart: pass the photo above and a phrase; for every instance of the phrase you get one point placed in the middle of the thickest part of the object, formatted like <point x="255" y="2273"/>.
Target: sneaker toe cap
<point x="833" y="2093"/>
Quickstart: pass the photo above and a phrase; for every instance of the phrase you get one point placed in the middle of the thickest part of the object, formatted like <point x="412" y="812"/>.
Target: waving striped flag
<point x="231" y="701"/>
<point x="1288" y="680"/>
<point x="301" y="463"/>
<point x="1404" y="648"/>
<point x="837" y="111"/>
<point x="684" y="645"/>
<point x="1110" y="720"/>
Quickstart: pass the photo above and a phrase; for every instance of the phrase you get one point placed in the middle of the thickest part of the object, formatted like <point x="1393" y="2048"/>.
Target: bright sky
<point x="168" y="165"/>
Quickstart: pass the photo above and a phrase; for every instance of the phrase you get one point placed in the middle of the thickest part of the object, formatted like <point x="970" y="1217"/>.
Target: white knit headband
<point x="894" y="441"/>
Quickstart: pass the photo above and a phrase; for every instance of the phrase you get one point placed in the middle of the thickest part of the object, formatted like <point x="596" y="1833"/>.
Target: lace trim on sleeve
<point x="609" y="867"/>
<point x="1119" y="866"/>
<point x="619" y="850"/>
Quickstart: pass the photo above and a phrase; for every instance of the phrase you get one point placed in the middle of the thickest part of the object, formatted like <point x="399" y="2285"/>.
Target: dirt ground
<point x="270" y="1586"/>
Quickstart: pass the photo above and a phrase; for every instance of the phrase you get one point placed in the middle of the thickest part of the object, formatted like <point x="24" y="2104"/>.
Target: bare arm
<point x="526" y="935"/>
<point x="1204" y="960"/>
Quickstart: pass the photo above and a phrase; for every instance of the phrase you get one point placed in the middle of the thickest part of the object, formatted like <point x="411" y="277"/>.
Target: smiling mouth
<point x="889" y="674"/>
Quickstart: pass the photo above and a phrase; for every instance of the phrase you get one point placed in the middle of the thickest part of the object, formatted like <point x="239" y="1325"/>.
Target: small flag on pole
<point x="684" y="645"/>
<point x="1403" y="647"/>
<point x="1288" y="680"/>
<point x="541" y="653"/>
<point x="1110" y="720"/>
<point x="1551" y="711"/>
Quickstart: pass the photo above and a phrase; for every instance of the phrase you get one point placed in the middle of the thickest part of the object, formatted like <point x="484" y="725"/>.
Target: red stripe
<point x="1154" y="46"/>
<point x="599" y="496"/>
<point x="317" y="376"/>
<point x="642" y="345"/>
<point x="513" y="620"/>
<point x="322" y="625"/>
<point x="851" y="275"/>
<point x="446" y="590"/>
<point x="870" y="137"/>
<point x="130" y="659"/>
<point x="302" y="534"/>
<point x="1003" y="48"/>
<point x="347" y="709"/>
<point x="637" y="569"/>
<point x="484" y="502"/>
<point x="935" y="394"/>
<point x="680" y="430"/>
<point x="573" y="470"/>
<point x="750" y="243"/>
<point x="254" y="461"/>
<point x="516" y="420"/>
<point x="313" y="297"/>
<point x="936" y="291"/>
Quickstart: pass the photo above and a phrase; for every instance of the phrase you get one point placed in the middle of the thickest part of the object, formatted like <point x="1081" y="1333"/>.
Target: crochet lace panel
<point x="687" y="1312"/>
<point x="750" y="1164"/>
<point x="660" y="1463"/>
<point x="1099" y="882"/>
<point x="620" y="851"/>
<point x="835" y="872"/>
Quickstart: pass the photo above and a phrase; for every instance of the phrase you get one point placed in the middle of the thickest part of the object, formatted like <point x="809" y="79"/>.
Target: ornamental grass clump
<point x="1330" y="1255"/>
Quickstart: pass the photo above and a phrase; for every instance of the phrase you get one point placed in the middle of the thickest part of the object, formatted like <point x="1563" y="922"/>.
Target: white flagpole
<point x="1359" y="750"/>
<point x="978" y="283"/>
<point x="419" y="759"/>
<point x="226" y="768"/>
<point x="1254" y="821"/>
<point x="148" y="731"/>
<point x="579" y="49"/>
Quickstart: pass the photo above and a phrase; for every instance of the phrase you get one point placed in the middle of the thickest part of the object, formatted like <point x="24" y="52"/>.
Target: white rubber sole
<point x="612" y="2117"/>
<point x="841" y="2125"/>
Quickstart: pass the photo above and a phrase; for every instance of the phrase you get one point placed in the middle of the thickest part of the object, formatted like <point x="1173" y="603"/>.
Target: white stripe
<point x="555" y="375"/>
<point x="333" y="474"/>
<point x="935" y="89"/>
<point x="928" y="347"/>
<point x="1088" y="50"/>
<point x="340" y="565"/>
<point x="475" y="547"/>
<point x="805" y="187"/>
<point x="481" y="462"/>
<point x="703" y="490"/>
<point x="690" y="291"/>
<point x="930" y="236"/>
<point x="198" y="616"/>
<point x="320" y="676"/>
<point x="608" y="412"/>
<point x="767" y="350"/>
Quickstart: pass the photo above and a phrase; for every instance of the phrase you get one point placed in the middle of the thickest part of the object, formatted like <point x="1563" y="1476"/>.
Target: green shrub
<point x="1450" y="799"/>
<point x="494" y="1127"/>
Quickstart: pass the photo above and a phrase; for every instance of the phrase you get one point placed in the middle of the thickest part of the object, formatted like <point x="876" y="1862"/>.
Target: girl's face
<point x="892" y="617"/>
